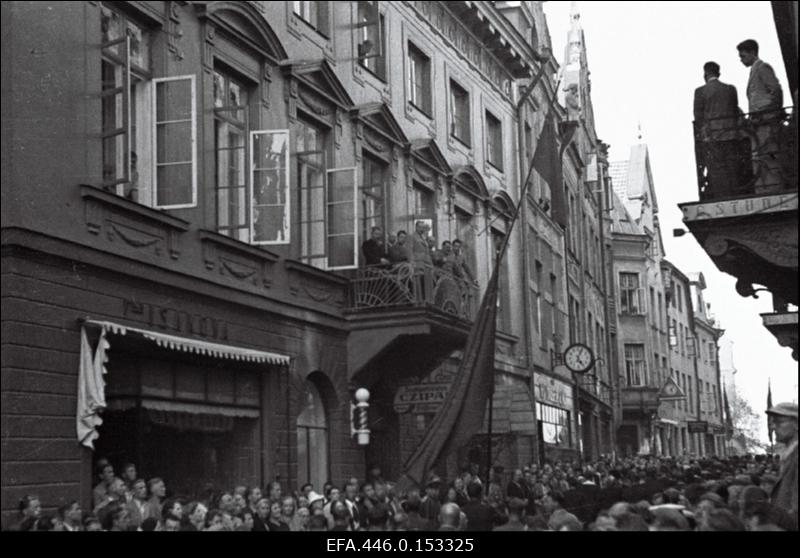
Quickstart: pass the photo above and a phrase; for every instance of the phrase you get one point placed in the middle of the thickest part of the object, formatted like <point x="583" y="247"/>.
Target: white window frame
<point x="354" y="169"/>
<point x="192" y="79"/>
<point x="287" y="230"/>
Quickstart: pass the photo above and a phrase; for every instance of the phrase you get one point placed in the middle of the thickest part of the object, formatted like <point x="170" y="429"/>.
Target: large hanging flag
<point x="728" y="416"/>
<point x="547" y="162"/>
<point x="769" y="406"/>
<point x="461" y="414"/>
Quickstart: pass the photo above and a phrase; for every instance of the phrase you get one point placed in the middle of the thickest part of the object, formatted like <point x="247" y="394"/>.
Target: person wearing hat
<point x="783" y="420"/>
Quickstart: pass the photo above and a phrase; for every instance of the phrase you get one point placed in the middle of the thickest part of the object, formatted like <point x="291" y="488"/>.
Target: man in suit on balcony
<point x="716" y="110"/>
<point x="765" y="103"/>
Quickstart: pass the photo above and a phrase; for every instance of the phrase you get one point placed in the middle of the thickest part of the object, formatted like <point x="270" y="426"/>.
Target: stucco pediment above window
<point x="381" y="124"/>
<point x="317" y="85"/>
<point x="243" y="20"/>
<point x="428" y="159"/>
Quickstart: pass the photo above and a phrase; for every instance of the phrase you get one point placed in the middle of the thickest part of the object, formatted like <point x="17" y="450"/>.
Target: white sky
<point x="646" y="59"/>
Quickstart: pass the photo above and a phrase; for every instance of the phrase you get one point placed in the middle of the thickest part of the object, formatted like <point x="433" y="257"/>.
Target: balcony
<point x="406" y="319"/>
<point x="746" y="219"/>
<point x="748" y="156"/>
<point x="597" y="389"/>
<point x="642" y="399"/>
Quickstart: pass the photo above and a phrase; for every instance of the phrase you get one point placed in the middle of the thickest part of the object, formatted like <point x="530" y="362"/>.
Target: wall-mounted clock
<point x="578" y="358"/>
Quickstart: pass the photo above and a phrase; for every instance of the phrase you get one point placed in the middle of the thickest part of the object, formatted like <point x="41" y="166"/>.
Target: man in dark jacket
<point x="374" y="250"/>
<point x="716" y="109"/>
<point x="480" y="516"/>
<point x="783" y="419"/>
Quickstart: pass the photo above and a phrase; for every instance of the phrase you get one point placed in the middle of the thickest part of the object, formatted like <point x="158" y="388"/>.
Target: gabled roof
<point x="319" y="76"/>
<point x="622" y="222"/>
<point x="426" y="151"/>
<point x="633" y="182"/>
<point x="379" y="117"/>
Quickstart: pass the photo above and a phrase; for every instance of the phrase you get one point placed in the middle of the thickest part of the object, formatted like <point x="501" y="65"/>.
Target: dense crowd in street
<point x="631" y="494"/>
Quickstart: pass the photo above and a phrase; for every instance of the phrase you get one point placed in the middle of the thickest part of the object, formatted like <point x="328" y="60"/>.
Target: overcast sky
<point x="646" y="60"/>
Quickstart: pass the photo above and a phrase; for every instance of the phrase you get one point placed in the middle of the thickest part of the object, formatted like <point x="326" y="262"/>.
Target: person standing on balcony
<point x="398" y="252"/>
<point x="716" y="106"/>
<point x="764" y="91"/>
<point x="373" y="248"/>
<point x="420" y="249"/>
<point x="461" y="261"/>
<point x="783" y="419"/>
<point x="765" y="101"/>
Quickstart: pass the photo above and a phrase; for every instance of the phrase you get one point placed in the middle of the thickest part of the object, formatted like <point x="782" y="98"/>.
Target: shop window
<point x="149" y="128"/>
<point x="419" y="79"/>
<point x="556" y="427"/>
<point x="314" y="14"/>
<point x="494" y="141"/>
<point x="459" y="113"/>
<point x="312" y="439"/>
<point x="371" y="34"/>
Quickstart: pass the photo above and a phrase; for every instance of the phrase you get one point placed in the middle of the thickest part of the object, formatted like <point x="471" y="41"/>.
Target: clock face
<point x="578" y="357"/>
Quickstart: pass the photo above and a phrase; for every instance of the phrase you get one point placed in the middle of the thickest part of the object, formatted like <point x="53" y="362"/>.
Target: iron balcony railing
<point x="746" y="155"/>
<point x="413" y="285"/>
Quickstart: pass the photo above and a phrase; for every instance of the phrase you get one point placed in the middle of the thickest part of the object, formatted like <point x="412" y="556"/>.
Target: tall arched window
<point x="312" y="439"/>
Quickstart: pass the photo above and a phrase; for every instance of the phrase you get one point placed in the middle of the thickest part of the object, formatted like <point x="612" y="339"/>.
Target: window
<point x="652" y="306"/>
<point x="494" y="141"/>
<point x="372" y="195"/>
<point x="149" y="127"/>
<point x="419" y="79"/>
<point x="679" y="297"/>
<point x="312" y="439"/>
<point x="459" y="113"/>
<point x="230" y="140"/>
<point x="553" y="306"/>
<point x="327" y="203"/>
<point x="424" y="206"/>
<point x="660" y="311"/>
<point x="313" y="13"/>
<point x="371" y="29"/>
<point x="712" y="353"/>
<point x="538" y="304"/>
<point x="634" y="364"/>
<point x="673" y="334"/>
<point x="555" y="425"/>
<point x="529" y="143"/>
<point x="630" y="294"/>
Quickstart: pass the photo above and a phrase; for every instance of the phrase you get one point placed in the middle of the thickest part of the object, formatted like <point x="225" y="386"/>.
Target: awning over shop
<point x="187" y="417"/>
<point x="188" y="345"/>
<point x="91" y="382"/>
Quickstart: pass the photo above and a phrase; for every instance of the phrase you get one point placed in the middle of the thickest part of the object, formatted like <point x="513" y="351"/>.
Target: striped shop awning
<point x="196" y="346"/>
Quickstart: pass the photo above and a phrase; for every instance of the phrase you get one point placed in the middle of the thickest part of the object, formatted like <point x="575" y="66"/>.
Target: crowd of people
<point x="630" y="494"/>
<point x="418" y="248"/>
